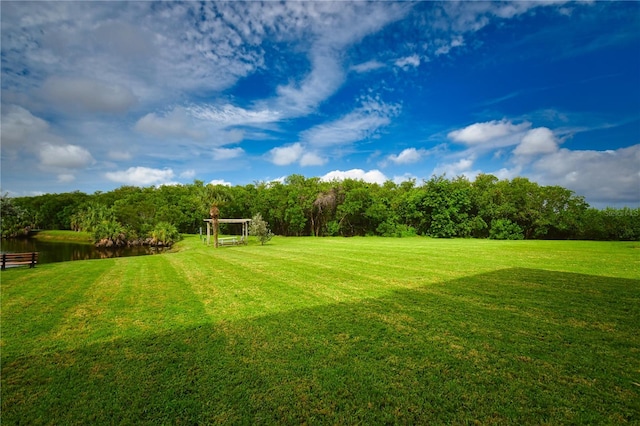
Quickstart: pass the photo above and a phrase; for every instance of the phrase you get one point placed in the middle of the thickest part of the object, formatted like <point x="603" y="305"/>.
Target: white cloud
<point x="64" y="156"/>
<point x="540" y="140"/>
<point x="509" y="10"/>
<point x="21" y="129"/>
<point x="321" y="30"/>
<point x="230" y="115"/>
<point x="126" y="40"/>
<point x="289" y="154"/>
<point x="495" y="133"/>
<point x="445" y="47"/>
<point x="141" y="176"/>
<point x="466" y="16"/>
<point x="188" y="174"/>
<point x="367" y="66"/>
<point x="407" y="62"/>
<point x="200" y="125"/>
<point x="360" y="124"/>
<point x="285" y="155"/>
<point x="333" y="27"/>
<point x="364" y="122"/>
<point x="140" y="51"/>
<point x="85" y="94"/>
<point x="66" y="177"/>
<point x="506" y="173"/>
<point x="177" y="123"/>
<point x="281" y="179"/>
<point x="461" y="167"/>
<point x="611" y="176"/>
<point x="312" y="159"/>
<point x="220" y="154"/>
<point x="299" y="99"/>
<point x="372" y="176"/>
<point x="222" y="182"/>
<point x="119" y="155"/>
<point x="601" y="176"/>
<point x="407" y="156"/>
<point x="404" y="178"/>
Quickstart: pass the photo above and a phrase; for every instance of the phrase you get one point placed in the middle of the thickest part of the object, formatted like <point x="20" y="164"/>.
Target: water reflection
<point x="50" y="251"/>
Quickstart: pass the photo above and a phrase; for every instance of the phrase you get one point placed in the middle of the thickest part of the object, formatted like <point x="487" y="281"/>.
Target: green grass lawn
<point x="55" y="235"/>
<point x="328" y="331"/>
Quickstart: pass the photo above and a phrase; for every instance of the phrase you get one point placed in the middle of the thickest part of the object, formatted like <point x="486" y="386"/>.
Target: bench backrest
<point x="19" y="259"/>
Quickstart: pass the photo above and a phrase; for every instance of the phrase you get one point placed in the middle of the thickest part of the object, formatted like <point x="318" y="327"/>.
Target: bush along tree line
<point x="300" y="206"/>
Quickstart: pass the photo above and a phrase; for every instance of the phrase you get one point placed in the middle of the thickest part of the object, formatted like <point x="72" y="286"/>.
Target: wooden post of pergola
<point x="245" y="229"/>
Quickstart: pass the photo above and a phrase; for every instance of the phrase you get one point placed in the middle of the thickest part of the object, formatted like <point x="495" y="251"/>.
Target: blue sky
<point x="100" y="95"/>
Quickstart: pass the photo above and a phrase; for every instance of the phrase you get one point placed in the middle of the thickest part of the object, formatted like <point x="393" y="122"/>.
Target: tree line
<point x="298" y="206"/>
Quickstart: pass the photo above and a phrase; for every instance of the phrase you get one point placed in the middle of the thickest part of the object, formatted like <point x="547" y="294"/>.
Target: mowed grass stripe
<point x="227" y="292"/>
<point x="152" y="296"/>
<point x="88" y="320"/>
<point x="342" y="278"/>
<point x="200" y="275"/>
<point x="378" y="257"/>
<point x="324" y="277"/>
<point x="35" y="302"/>
<point x="239" y="285"/>
<point x="562" y="299"/>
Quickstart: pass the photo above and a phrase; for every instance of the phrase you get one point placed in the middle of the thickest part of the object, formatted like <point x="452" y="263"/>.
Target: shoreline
<point x="62" y="235"/>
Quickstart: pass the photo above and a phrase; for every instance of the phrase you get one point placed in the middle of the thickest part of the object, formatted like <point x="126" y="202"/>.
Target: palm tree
<point x="214" y="212"/>
<point x="214" y="197"/>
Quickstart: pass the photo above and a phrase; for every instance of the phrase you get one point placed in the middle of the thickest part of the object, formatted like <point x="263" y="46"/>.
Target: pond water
<point x="62" y="251"/>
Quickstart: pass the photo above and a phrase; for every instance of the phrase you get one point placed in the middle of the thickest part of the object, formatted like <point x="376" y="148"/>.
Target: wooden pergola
<point x="222" y="241"/>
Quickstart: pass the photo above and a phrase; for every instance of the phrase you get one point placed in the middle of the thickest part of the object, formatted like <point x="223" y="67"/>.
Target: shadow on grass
<point x="516" y="346"/>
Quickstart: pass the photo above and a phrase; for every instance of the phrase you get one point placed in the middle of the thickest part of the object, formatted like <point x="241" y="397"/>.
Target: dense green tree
<point x="138" y="211"/>
<point x="53" y="211"/>
<point x="439" y="207"/>
<point x="485" y="201"/>
<point x="621" y="224"/>
<point x="409" y="207"/>
<point x="301" y="195"/>
<point x="243" y="203"/>
<point x="444" y="207"/>
<point x="560" y="213"/>
<point x="350" y="214"/>
<point x="14" y="220"/>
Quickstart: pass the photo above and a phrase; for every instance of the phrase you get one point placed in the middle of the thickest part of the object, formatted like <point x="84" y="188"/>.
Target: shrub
<point x="110" y="233"/>
<point x="259" y="228"/>
<point x="504" y="229"/>
<point x="164" y="234"/>
<point x="333" y="228"/>
<point x="392" y="229"/>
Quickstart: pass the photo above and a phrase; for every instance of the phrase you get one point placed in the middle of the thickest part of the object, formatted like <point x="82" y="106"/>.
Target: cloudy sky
<point x="96" y="95"/>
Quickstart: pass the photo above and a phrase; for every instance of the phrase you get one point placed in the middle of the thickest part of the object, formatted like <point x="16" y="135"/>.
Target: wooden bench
<point x="19" y="259"/>
<point x="228" y="241"/>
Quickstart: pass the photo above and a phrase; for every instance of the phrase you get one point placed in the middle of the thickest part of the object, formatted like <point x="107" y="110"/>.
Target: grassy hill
<point x="328" y="331"/>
